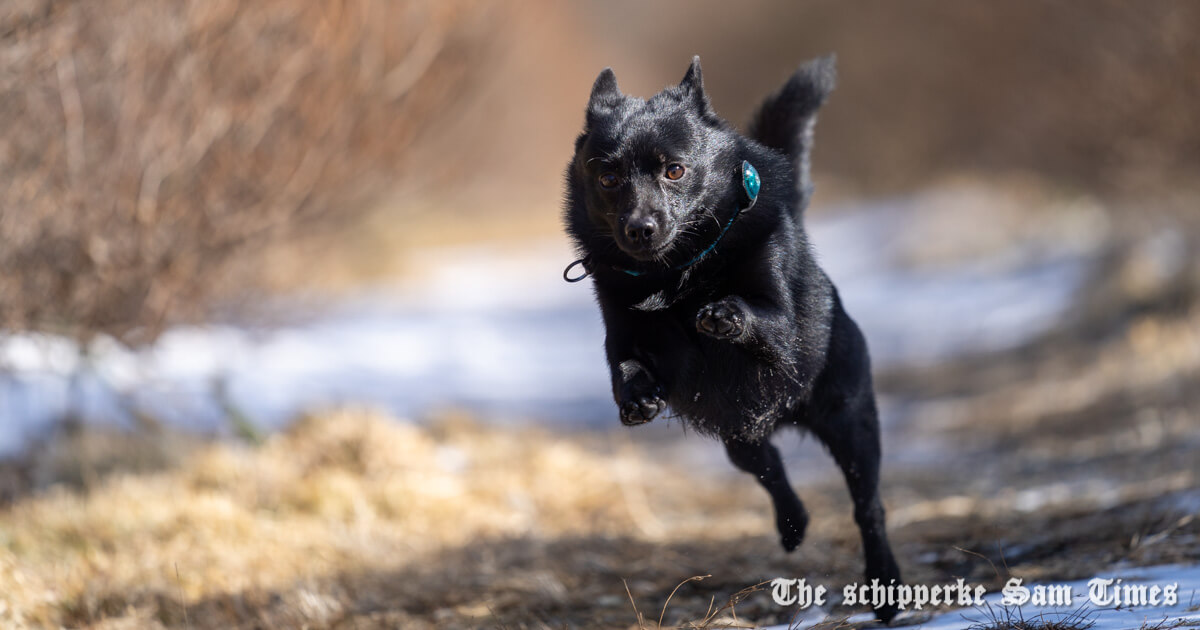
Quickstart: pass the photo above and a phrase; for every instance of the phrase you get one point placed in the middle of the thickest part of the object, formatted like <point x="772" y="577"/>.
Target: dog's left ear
<point x="605" y="97"/>
<point x="692" y="86"/>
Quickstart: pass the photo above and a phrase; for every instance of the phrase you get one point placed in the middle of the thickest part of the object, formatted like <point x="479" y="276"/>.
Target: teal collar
<point x="751" y="183"/>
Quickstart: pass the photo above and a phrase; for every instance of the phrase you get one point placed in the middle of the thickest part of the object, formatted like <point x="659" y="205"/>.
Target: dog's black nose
<point x="640" y="230"/>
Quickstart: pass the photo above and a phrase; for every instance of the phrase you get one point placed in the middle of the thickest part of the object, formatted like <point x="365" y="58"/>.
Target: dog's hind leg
<point x="852" y="436"/>
<point x="762" y="460"/>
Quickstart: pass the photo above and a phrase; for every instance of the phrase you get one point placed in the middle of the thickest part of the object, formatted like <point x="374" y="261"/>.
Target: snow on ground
<point x="1185" y="612"/>
<point x="502" y="335"/>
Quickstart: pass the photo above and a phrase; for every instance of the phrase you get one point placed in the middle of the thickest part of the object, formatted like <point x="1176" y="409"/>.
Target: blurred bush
<point x="154" y="149"/>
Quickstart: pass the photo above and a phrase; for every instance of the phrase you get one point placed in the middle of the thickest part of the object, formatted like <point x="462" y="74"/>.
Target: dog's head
<point x="650" y="177"/>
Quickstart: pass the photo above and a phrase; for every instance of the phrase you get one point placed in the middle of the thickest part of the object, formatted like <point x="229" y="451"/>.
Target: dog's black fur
<point x="750" y="337"/>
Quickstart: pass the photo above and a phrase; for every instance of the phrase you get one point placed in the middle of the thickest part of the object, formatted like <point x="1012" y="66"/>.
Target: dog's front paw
<point x="642" y="408"/>
<point x="721" y="320"/>
<point x="639" y="396"/>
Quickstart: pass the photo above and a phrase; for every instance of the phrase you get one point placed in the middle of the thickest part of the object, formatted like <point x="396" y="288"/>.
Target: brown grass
<point x="346" y="493"/>
<point x="1011" y="618"/>
<point x="351" y="519"/>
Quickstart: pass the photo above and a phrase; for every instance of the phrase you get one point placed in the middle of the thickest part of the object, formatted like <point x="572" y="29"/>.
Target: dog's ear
<point x="692" y="86"/>
<point x="605" y="95"/>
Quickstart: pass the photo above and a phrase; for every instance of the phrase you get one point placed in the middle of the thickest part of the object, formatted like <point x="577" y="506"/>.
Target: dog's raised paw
<point x="721" y="320"/>
<point x="641" y="409"/>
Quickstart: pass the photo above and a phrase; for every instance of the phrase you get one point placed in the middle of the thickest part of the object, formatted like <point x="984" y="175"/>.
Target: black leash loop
<point x="586" y="261"/>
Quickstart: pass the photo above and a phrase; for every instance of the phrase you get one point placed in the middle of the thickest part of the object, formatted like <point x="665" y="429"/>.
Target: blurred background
<point x="244" y="247"/>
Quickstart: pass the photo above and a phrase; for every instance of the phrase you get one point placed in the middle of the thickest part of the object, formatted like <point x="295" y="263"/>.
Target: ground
<point x="1054" y="460"/>
<point x="352" y="519"/>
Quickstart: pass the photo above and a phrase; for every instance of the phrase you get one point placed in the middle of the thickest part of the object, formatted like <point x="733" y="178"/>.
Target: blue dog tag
<point x="750" y="180"/>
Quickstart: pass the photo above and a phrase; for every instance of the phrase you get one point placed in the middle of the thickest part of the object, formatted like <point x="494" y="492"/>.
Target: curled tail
<point x="785" y="120"/>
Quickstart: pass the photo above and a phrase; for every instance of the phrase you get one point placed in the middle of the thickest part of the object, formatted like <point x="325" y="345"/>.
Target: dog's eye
<point x="609" y="180"/>
<point x="674" y="171"/>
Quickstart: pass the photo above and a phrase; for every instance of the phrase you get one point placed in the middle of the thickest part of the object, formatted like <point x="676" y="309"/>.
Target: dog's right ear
<point x="605" y="95"/>
<point x="693" y="86"/>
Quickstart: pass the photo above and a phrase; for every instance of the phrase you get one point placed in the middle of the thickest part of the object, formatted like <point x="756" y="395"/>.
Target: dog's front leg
<point x="638" y="394"/>
<point x="762" y="326"/>
<point x="761" y="316"/>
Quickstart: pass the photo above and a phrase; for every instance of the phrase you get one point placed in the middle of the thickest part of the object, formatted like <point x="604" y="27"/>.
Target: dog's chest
<point x="715" y="384"/>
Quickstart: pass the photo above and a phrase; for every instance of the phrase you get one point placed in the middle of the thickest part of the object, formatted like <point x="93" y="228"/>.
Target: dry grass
<point x="351" y="519"/>
<point x="347" y="493"/>
<point x="1011" y="618"/>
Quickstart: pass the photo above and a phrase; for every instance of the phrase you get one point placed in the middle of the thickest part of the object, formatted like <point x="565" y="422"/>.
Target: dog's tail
<point x="786" y="118"/>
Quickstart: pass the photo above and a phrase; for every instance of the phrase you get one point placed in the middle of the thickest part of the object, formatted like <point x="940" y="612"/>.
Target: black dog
<point x="708" y="288"/>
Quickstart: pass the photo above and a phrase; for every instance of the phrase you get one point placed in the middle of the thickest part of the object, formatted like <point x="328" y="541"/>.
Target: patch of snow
<point x="1186" y="610"/>
<point x="498" y="333"/>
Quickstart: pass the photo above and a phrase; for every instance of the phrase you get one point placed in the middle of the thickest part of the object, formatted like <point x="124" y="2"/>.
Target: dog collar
<point x="751" y="184"/>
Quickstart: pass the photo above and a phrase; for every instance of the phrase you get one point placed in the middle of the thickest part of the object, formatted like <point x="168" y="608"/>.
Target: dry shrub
<point x="153" y="149"/>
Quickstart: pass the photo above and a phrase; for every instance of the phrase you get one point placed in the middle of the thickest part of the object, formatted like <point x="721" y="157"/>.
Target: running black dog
<point x="712" y="300"/>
